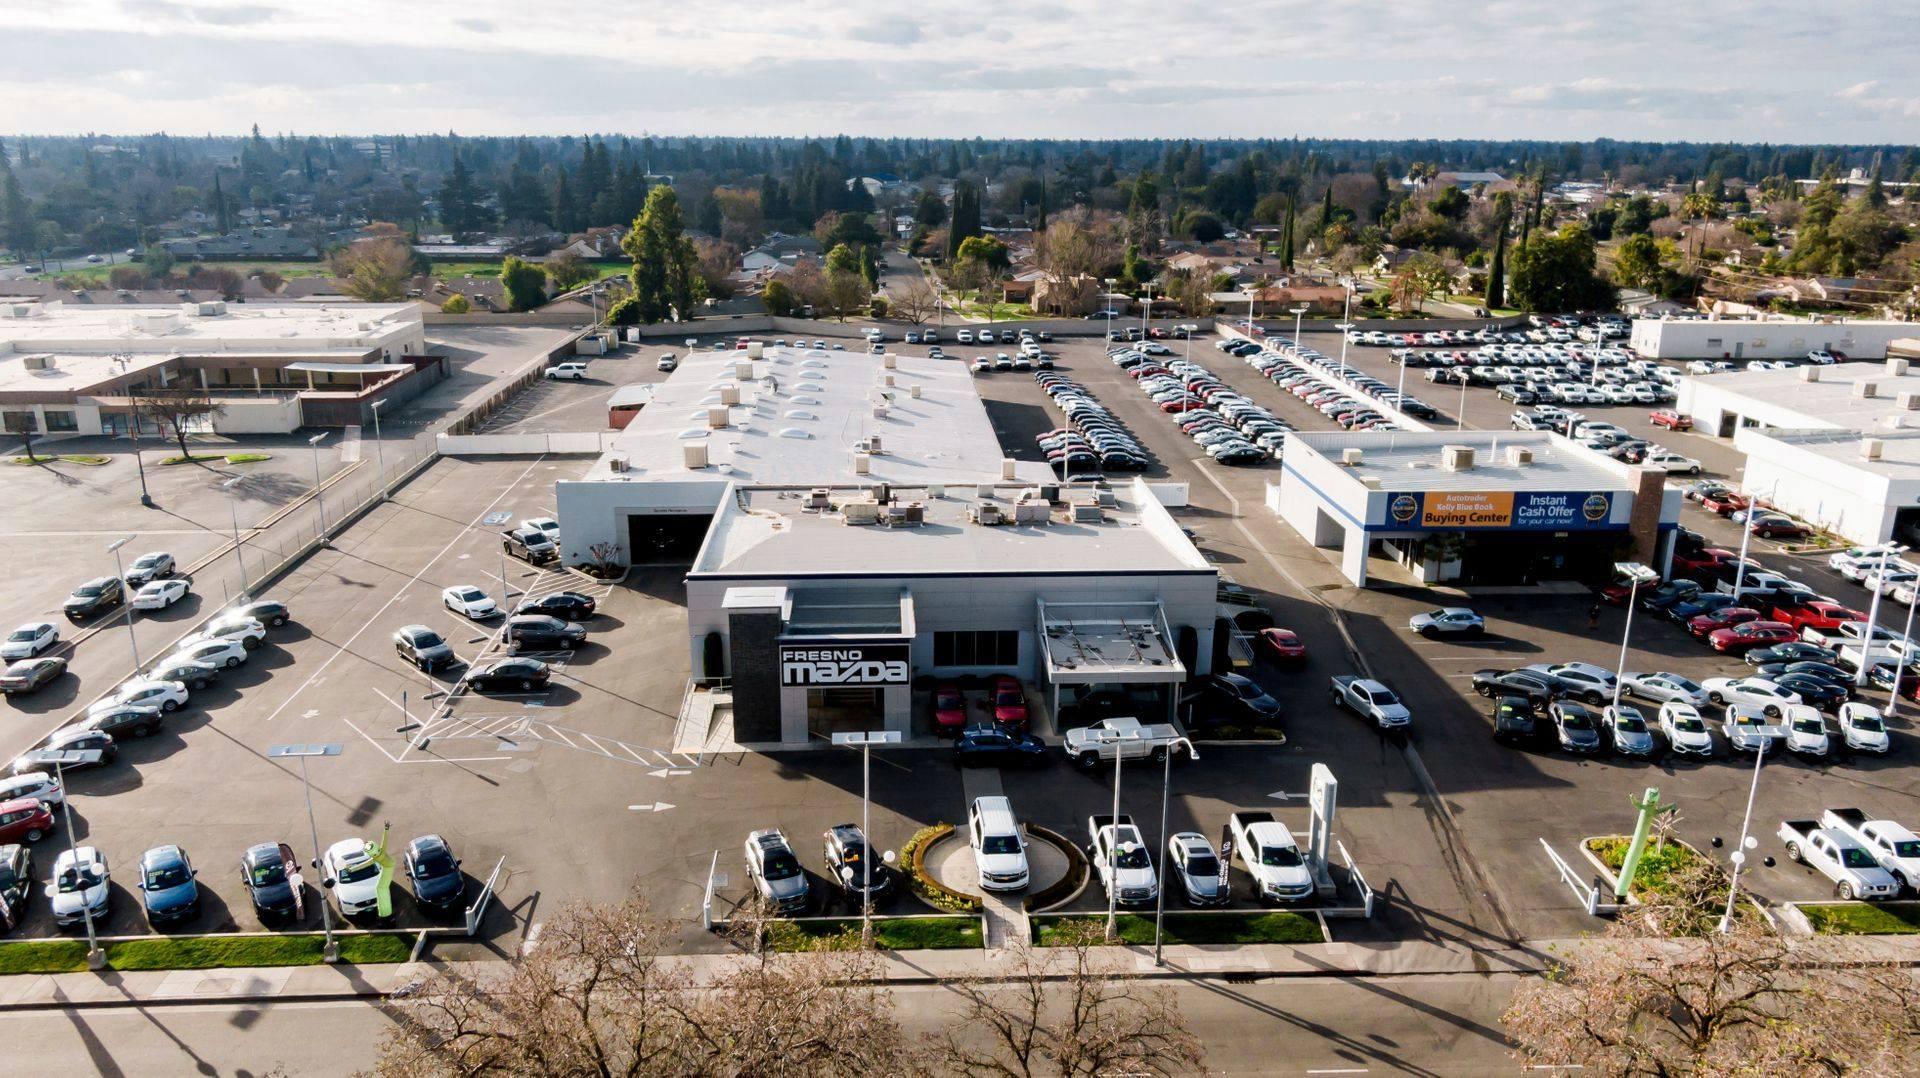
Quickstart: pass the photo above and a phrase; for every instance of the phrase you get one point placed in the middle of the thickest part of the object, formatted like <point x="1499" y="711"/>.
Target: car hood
<point x="273" y="895"/>
<point x="434" y="888"/>
<point x="168" y="898"/>
<point x="1201" y="886"/>
<point x="16" y="650"/>
<point x="1133" y="877"/>
<point x="792" y="887"/>
<point x="1636" y="739"/>
<point x="1284" y="875"/>
<point x="361" y="891"/>
<point x="1001" y="864"/>
<point x="1392" y="713"/>
<point x="70" y="901"/>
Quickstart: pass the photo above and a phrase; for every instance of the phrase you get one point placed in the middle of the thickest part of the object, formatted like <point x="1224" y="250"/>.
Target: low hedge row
<point x="923" y="884"/>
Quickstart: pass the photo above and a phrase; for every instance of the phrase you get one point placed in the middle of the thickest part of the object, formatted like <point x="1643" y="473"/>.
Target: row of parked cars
<point x="1226" y="425"/>
<point x="547" y="622"/>
<point x="1332" y="386"/>
<point x="1091" y="437"/>
<point x="1543" y="329"/>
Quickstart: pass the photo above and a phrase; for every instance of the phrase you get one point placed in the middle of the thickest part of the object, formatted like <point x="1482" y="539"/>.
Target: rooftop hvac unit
<point x="20" y="310"/>
<point x="1352" y="456"/>
<point x="717" y="417"/>
<point x="916" y="512"/>
<point x="936" y="490"/>
<point x="743" y="370"/>
<point x="862" y="462"/>
<point x="1032" y="512"/>
<point x="860" y="512"/>
<point x="1870" y="448"/>
<point x="730" y="394"/>
<point x="616" y="464"/>
<point x="903" y="514"/>
<point x="1809" y="374"/>
<point x="1009" y="468"/>
<point x="880" y="411"/>
<point x="987" y="515"/>
<point x="1896" y="367"/>
<point x="914" y="391"/>
<point x="1456" y="458"/>
<point x="1866" y="390"/>
<point x="38" y="363"/>
<point x="1088" y="514"/>
<point x="694" y="454"/>
<point x="1371" y="482"/>
<point x="1909" y="402"/>
<point x="984" y="492"/>
<point x="1050" y="492"/>
<point x="1519" y="456"/>
<point x="755" y="349"/>
<point x="819" y="498"/>
<point x="889" y="361"/>
<point x="212" y="308"/>
<point x="871" y="443"/>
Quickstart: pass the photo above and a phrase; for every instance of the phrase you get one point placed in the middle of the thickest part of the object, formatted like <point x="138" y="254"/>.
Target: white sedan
<point x="352" y="876"/>
<point x="1686" y="732"/>
<point x="222" y="653"/>
<point x="29" y="640"/>
<point x="160" y="594"/>
<point x="1671" y="462"/>
<point x="1663" y="686"/>
<point x="469" y="600"/>
<point x="158" y="695"/>
<point x="1806" y="731"/>
<point x="1855" y="562"/>
<point x="1750" y="691"/>
<point x="1862" y="728"/>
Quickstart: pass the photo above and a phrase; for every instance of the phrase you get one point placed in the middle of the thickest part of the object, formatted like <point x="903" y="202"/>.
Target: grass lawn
<point x="88" y="459"/>
<point x="892" y="934"/>
<point x="200" y="952"/>
<point x="1250" y="926"/>
<point x="248" y="458"/>
<point x="1865" y="919"/>
<point x="1656" y="866"/>
<point x="193" y="458"/>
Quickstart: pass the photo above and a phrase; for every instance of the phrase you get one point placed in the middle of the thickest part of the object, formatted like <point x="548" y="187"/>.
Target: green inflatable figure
<point x="383" y="887"/>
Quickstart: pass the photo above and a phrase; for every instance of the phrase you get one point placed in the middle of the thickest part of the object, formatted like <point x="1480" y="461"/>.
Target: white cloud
<point x="1060" y="68"/>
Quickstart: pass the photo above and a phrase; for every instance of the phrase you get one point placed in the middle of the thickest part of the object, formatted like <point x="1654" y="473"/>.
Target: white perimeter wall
<point x="1855" y="502"/>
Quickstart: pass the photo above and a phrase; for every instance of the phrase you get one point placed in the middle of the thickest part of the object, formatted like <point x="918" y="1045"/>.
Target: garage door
<point x="666" y="538"/>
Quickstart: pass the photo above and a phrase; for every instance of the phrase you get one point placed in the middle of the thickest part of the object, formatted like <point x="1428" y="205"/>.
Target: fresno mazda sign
<point x="883" y="663"/>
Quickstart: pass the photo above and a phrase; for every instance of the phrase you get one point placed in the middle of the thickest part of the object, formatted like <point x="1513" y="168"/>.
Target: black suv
<point x="539" y="632"/>
<point x="101" y="593"/>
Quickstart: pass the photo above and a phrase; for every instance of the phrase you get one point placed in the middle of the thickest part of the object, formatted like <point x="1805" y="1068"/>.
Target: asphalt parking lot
<point x="579" y="789"/>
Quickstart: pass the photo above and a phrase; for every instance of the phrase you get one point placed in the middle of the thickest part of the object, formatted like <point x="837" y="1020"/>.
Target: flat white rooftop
<point x="1833" y="401"/>
<point x="800" y="416"/>
<point x="1408" y="460"/>
<point x="772" y="532"/>
<point x="31" y="327"/>
<point x="1899" y="449"/>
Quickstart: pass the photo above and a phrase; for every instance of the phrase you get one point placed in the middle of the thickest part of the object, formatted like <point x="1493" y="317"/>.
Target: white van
<point x="999" y="851"/>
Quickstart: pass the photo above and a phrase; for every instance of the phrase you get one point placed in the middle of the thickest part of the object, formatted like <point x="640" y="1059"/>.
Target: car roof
<point x="163" y="855"/>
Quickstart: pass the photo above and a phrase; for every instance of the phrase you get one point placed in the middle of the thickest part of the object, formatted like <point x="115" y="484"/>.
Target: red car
<point x="1702" y="560"/>
<point x="1283" y="645"/>
<point x="1723" y="618"/>
<point x="1670" y="419"/>
<point x="1183" y="404"/>
<point x="1753" y="634"/>
<point x="1009" y="702"/>
<point x="1777" y="527"/>
<point x="1817" y="615"/>
<point x="949" y="708"/>
<point x="1724" y="502"/>
<point x="24" y="820"/>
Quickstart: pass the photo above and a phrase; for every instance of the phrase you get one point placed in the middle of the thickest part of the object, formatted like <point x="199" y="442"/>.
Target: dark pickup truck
<point x="531" y="544"/>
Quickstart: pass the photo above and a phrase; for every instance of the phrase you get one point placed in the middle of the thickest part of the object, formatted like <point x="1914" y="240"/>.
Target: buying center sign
<point x="1466" y="510"/>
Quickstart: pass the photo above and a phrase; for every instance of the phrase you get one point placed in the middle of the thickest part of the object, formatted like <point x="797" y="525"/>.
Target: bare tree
<point x="1665" y="993"/>
<point x="916" y="303"/>
<point x="1075" y="245"/>
<point x="374" y="269"/>
<point x="177" y="410"/>
<point x="594" y="998"/>
<point x="1061" y="1010"/>
<point x="26" y="425"/>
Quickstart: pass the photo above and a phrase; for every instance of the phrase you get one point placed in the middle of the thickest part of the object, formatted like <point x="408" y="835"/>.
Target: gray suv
<point x="422" y="647"/>
<point x="776" y="873"/>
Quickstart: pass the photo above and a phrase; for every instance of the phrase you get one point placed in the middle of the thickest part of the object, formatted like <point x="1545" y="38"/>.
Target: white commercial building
<point x="1836" y="446"/>
<point x="1478" y="507"/>
<point x="853" y="533"/>
<point x="1769" y="338"/>
<point x="73" y="368"/>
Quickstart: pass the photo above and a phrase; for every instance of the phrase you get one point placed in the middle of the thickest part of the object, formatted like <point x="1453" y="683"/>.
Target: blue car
<point x="167" y="886"/>
<point x="435" y="874"/>
<point x="988" y="745"/>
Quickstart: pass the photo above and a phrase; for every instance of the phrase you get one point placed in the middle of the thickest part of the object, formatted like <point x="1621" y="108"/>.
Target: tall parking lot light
<point x="96" y="958"/>
<point x="126" y="601"/>
<point x="1747" y="841"/>
<point x="1114" y="738"/>
<point x="1346" y="315"/>
<point x="1146" y="311"/>
<point x="1900" y="660"/>
<point x="314" y="444"/>
<point x="1637" y="574"/>
<point x="379" y="455"/>
<point x="1298" y="309"/>
<point x="1166" y="787"/>
<point x="1746" y="538"/>
<point x="331" y="951"/>
<point x="865" y="740"/>
<point x="1873" y="608"/>
<point x="233" y="511"/>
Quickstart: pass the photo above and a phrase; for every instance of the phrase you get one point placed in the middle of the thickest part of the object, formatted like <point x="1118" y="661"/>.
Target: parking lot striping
<point x="1339" y="1070"/>
<point x="395" y="597"/>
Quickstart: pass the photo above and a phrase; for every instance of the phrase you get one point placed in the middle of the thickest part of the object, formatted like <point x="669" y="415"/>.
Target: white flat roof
<point x="179" y="328"/>
<point x="802" y="413"/>
<point x="1410" y="460"/>
<point x="768" y="532"/>
<point x="1899" y="449"/>
<point x="1829" y="402"/>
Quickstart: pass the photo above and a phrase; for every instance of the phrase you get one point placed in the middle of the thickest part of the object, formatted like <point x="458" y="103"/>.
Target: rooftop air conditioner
<point x="987" y="515"/>
<point x="1809" y="374"/>
<point x="914" y="391"/>
<point x="1009" y="469"/>
<point x="1896" y="367"/>
<point x="984" y="492"/>
<point x="616" y="464"/>
<point x="1352" y="456"/>
<point x="890" y="362"/>
<point x="730" y="394"/>
<point x="743" y="370"/>
<point x="38" y="363"/>
<point x="1456" y="458"/>
<point x="819" y="498"/>
<point x="755" y="349"/>
<point x="718" y="416"/>
<point x="1870" y="448"/>
<point x="1909" y="401"/>
<point x="1519" y="456"/>
<point x="862" y="462"/>
<point x="694" y="454"/>
<point x="1088" y="514"/>
<point x="1032" y="512"/>
<point x="862" y="512"/>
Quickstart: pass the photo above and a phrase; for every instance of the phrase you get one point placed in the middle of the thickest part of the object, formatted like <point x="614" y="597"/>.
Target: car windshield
<point x="1000" y="844"/>
<point x="1132" y="856"/>
<point x="780" y="866"/>
<point x="267" y="873"/>
<point x="23" y="634"/>
<point x="74" y="879"/>
<point x="365" y="870"/>
<point x="1280" y="856"/>
<point x="435" y="863"/>
<point x="1904" y="849"/>
<point x="469" y="595"/>
<point x="1678" y="682"/>
<point x="1853" y="857"/>
<point x="1383" y="697"/>
<point x="1008" y="698"/>
<point x="1575" y="720"/>
<point x="426" y="639"/>
<point x="1248" y="690"/>
<point x="1809" y="726"/>
<point x="947" y="701"/>
<point x="165" y="876"/>
<point x="1632" y="724"/>
<point x="88" y="590"/>
<point x="1203" y="864"/>
<point x="1868" y="724"/>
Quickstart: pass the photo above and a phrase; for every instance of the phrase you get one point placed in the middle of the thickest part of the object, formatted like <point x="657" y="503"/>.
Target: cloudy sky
<point x="1754" y="70"/>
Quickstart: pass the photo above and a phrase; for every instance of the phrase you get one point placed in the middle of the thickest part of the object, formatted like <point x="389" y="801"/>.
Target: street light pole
<point x="139" y="462"/>
<point x="1900" y="661"/>
<point x="330" y="952"/>
<point x="234" y="512"/>
<point x="379" y="454"/>
<point x="96" y="958"/>
<point x="1639" y="574"/>
<point x="865" y="741"/>
<point x="1747" y="842"/>
<point x="1160" y="897"/>
<point x="1298" y="310"/>
<point x="1114" y="738"/>
<point x="314" y="444"/>
<point x="126" y="600"/>
<point x="1873" y="610"/>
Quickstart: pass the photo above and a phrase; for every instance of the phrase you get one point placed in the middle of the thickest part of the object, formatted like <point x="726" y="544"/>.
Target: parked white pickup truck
<point x="1370" y="700"/>
<point x="1087" y="746"/>
<point x="1892" y="845"/>
<point x="1272" y="857"/>
<point x="1122" y="860"/>
<point x="1854" y="872"/>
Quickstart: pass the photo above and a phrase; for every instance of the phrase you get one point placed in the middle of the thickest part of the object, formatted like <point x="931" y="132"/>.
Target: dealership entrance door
<point x="670" y="538"/>
<point x="846" y="709"/>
